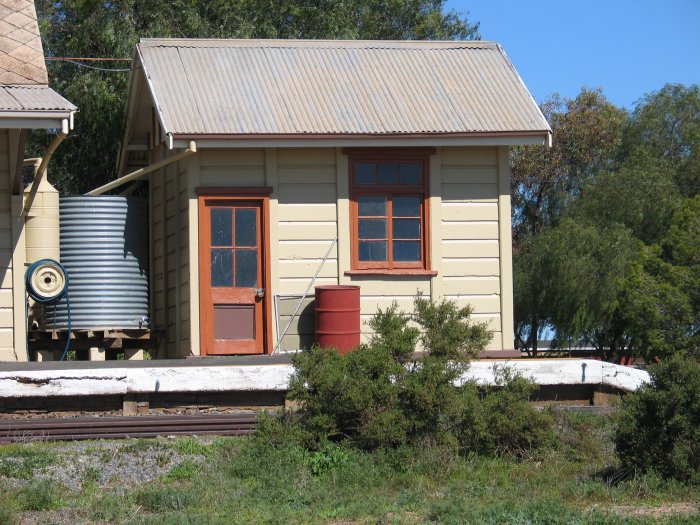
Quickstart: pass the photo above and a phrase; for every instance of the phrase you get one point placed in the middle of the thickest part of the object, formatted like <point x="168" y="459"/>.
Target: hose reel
<point x="46" y="281"/>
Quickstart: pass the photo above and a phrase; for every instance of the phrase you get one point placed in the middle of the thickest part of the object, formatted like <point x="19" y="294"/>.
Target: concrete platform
<point x="263" y="373"/>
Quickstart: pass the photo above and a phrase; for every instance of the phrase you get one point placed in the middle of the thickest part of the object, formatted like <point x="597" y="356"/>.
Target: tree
<point x="615" y="262"/>
<point x="91" y="28"/>
<point x="666" y="125"/>
<point x="587" y="132"/>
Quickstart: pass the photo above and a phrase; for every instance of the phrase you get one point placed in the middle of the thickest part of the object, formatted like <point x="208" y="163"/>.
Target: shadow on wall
<point x="301" y="332"/>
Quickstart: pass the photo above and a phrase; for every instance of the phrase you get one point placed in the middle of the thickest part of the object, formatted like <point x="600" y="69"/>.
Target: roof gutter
<point x="192" y="149"/>
<point x="285" y="136"/>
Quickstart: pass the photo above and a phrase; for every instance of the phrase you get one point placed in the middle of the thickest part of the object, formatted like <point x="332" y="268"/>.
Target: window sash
<point x="404" y="218"/>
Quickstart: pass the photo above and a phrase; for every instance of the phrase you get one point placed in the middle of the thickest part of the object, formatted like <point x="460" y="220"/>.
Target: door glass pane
<point x="366" y="173"/>
<point x="234" y="321"/>
<point x="372" y="228"/>
<point x="406" y="228"/>
<point x="406" y="205"/>
<point x="388" y="173"/>
<point x="221" y="267"/>
<point x="246" y="227"/>
<point x="371" y="206"/>
<point x="373" y="251"/>
<point x="246" y="268"/>
<point x="410" y="173"/>
<point x="221" y="226"/>
<point x="406" y="251"/>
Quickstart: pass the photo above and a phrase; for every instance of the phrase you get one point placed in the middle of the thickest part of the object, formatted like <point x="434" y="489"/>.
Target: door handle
<point x="260" y="293"/>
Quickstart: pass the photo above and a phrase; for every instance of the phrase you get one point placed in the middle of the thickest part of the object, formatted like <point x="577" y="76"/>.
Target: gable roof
<point x="21" y="54"/>
<point x="291" y="88"/>
<point x="26" y="101"/>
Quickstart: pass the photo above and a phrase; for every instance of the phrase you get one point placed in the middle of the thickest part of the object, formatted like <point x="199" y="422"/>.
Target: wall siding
<point x="307" y="227"/>
<point x="7" y="352"/>
<point x="470" y="262"/>
<point x="308" y="193"/>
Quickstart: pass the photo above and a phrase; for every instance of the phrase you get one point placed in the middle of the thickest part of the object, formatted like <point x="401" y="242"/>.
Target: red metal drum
<point x="338" y="317"/>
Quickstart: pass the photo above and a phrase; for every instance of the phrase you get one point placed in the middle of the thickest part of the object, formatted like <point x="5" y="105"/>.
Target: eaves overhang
<point x="505" y="138"/>
<point x="36" y="119"/>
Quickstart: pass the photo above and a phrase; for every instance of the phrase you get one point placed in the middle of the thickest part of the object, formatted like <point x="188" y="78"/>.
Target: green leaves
<point x="659" y="426"/>
<point x="606" y="242"/>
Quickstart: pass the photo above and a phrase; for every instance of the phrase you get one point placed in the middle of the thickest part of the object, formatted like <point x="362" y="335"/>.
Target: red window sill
<point x="398" y="271"/>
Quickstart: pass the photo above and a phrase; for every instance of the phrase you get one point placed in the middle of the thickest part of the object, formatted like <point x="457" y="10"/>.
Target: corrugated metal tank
<point x="104" y="248"/>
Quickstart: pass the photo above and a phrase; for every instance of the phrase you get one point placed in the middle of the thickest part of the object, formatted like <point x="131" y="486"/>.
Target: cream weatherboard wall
<point x="6" y="298"/>
<point x="13" y="345"/>
<point x="470" y="239"/>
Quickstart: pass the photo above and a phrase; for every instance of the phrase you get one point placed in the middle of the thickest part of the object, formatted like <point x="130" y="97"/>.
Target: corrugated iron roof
<point x="32" y="98"/>
<point x="301" y="87"/>
<point x="21" y="54"/>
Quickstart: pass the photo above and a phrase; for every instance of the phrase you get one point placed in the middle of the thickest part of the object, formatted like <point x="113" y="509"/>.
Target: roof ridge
<point x="315" y="43"/>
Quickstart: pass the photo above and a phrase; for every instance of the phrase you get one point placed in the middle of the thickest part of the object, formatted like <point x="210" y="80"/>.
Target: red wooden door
<point x="231" y="276"/>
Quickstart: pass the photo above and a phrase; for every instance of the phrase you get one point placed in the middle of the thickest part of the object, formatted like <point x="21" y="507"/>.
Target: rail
<point x="80" y="428"/>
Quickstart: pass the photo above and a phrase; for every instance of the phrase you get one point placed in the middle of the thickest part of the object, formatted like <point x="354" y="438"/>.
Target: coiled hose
<point x="46" y="281"/>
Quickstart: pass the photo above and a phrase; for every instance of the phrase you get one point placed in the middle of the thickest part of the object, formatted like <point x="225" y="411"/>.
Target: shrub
<point x="381" y="396"/>
<point x="504" y="421"/>
<point x="659" y="424"/>
<point x="39" y="494"/>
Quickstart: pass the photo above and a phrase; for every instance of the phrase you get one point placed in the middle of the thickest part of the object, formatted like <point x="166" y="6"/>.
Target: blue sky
<point x="626" y="47"/>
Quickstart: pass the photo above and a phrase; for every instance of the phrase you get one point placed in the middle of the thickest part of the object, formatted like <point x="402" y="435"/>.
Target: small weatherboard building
<point x="275" y="166"/>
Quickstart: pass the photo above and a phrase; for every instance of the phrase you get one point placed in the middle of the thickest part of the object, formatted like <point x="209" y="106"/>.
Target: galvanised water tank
<point x="104" y="248"/>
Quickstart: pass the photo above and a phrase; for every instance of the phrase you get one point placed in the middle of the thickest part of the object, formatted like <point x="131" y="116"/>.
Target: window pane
<point x="221" y="267"/>
<point x="372" y="251"/>
<point x="372" y="228"/>
<point x="246" y="268"/>
<point x="373" y="206"/>
<point x="410" y="173"/>
<point x="406" y="206"/>
<point x="388" y="173"/>
<point x="221" y="226"/>
<point x="406" y="228"/>
<point x="366" y="173"/>
<point x="406" y="251"/>
<point x="246" y="227"/>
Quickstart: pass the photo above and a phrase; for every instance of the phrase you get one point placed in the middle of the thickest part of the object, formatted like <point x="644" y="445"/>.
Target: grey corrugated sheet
<point x="32" y="98"/>
<point x="336" y="87"/>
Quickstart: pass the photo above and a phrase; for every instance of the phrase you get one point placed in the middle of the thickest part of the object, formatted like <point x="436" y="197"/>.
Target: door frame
<point x="232" y="193"/>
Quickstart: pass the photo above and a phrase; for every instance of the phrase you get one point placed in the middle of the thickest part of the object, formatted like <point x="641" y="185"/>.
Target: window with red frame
<point x="389" y="213"/>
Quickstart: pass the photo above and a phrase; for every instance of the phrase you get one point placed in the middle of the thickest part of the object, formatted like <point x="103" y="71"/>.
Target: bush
<point x="39" y="494"/>
<point x="659" y="424"/>
<point x="382" y="396"/>
<point x="504" y="421"/>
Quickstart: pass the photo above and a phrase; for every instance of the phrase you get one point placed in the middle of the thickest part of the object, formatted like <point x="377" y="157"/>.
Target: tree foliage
<point x="615" y="262"/>
<point x="91" y="28"/>
<point x="659" y="425"/>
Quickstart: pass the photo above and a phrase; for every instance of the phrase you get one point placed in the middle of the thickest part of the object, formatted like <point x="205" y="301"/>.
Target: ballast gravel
<point x="110" y="464"/>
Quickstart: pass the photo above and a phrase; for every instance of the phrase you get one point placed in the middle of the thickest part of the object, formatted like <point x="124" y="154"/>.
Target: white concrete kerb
<point x="275" y="377"/>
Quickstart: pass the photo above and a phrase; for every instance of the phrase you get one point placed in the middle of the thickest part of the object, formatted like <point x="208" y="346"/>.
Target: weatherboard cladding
<point x="32" y="98"/>
<point x="292" y="87"/>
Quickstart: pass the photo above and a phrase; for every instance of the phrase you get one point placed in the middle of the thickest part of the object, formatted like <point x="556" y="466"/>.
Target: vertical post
<point x="505" y="243"/>
<point x="272" y="180"/>
<point x="343" y="215"/>
<point x="435" y="226"/>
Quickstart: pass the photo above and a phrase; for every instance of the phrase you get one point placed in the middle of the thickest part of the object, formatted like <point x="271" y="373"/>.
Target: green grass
<point x="20" y="461"/>
<point x="244" y="481"/>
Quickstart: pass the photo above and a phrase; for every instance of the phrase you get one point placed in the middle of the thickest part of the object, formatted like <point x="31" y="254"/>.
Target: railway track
<point x="79" y="428"/>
